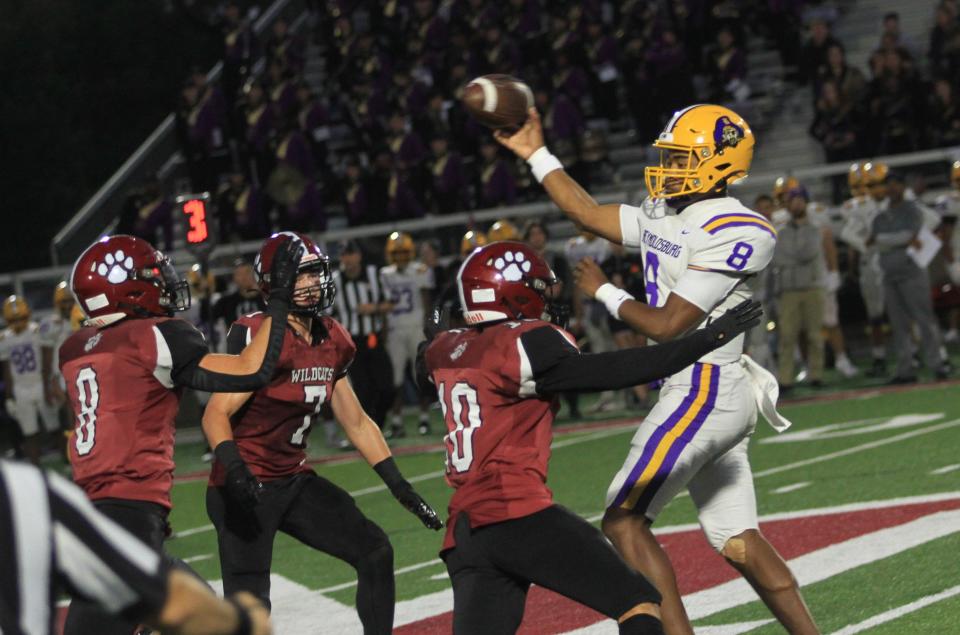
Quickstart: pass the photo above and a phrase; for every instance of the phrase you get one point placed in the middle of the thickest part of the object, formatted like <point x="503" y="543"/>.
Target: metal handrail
<point x="624" y="192"/>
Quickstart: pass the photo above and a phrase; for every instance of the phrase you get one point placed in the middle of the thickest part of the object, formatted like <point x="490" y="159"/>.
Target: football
<point x="498" y="101"/>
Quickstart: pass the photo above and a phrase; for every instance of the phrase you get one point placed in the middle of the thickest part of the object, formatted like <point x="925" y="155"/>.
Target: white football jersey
<point x="22" y="351"/>
<point x="684" y="253"/>
<point x="949" y="205"/>
<point x="54" y="331"/>
<point x="859" y="213"/>
<point x="403" y="288"/>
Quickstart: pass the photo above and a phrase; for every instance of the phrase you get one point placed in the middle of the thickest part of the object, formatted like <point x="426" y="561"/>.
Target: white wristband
<point x="543" y="163"/>
<point x="612" y="298"/>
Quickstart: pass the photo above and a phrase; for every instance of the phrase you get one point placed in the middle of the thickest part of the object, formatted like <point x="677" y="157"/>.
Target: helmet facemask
<point x="672" y="182"/>
<point x="174" y="291"/>
<point x="312" y="299"/>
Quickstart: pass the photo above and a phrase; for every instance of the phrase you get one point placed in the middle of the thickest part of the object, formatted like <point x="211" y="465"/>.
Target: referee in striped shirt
<point x="52" y="539"/>
<point x="362" y="309"/>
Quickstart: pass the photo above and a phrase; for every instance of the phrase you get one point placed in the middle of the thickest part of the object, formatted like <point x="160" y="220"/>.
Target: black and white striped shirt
<point x="365" y="289"/>
<point x="52" y="538"/>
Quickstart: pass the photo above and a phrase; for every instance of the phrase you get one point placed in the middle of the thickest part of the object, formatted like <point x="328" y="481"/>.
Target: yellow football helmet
<point x="63" y="298"/>
<point x="503" y="230"/>
<point x="874" y="173"/>
<point x="781" y="186"/>
<point x="955" y="174"/>
<point x="200" y="284"/>
<point x="77" y="317"/>
<point x="718" y="148"/>
<point x="856" y="181"/>
<point x="472" y="240"/>
<point x="400" y="248"/>
<point x="15" y="310"/>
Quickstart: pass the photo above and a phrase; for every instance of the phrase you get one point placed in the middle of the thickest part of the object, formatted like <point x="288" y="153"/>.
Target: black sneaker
<point x="898" y="381"/>
<point x="423" y="428"/>
<point x="879" y="368"/>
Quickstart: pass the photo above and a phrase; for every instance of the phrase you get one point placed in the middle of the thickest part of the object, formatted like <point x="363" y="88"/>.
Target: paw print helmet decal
<point x="504" y="280"/>
<point x="123" y="276"/>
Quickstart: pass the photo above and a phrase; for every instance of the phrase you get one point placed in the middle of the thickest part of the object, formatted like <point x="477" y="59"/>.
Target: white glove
<point x="953" y="270"/>
<point x="832" y="282"/>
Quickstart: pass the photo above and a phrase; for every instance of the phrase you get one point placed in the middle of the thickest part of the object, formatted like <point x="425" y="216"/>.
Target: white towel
<point x="766" y="391"/>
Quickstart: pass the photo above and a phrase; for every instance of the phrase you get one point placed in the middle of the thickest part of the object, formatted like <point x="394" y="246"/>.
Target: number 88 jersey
<point x="704" y="254"/>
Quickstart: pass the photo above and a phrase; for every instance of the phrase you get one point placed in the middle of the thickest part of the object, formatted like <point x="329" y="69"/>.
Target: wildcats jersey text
<point x="498" y="428"/>
<point x="271" y="428"/>
<point x="683" y="253"/>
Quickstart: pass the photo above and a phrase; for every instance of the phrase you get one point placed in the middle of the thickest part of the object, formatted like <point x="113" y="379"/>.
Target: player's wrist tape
<point x="244" y="625"/>
<point x="543" y="163"/>
<point x="388" y="471"/>
<point x="612" y="297"/>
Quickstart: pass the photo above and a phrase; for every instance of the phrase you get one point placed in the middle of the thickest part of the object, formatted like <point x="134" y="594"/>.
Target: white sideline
<point x="900" y="611"/>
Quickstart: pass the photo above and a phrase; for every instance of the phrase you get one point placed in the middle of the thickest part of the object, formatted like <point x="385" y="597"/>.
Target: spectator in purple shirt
<point x="260" y="129"/>
<point x="285" y="47"/>
<point x="242" y="210"/>
<point x="356" y="194"/>
<point x="602" y="52"/>
<point x="449" y="183"/>
<point x="496" y="183"/>
<point x="307" y="212"/>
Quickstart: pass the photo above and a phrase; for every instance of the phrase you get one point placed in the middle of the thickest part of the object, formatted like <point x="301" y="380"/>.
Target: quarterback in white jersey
<point x="699" y="248"/>
<point x="407" y="284"/>
<point x="20" y="354"/>
<point x="54" y="330"/>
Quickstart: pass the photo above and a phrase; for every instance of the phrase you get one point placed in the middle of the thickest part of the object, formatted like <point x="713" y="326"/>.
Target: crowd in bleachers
<point x="908" y="100"/>
<point x="371" y="128"/>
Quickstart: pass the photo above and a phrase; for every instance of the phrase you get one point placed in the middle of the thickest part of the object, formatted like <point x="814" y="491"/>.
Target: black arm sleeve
<point x="558" y="366"/>
<point x="210" y="381"/>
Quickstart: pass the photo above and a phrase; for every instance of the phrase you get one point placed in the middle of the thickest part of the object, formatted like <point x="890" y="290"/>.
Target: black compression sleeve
<point x="210" y="381"/>
<point x="237" y="338"/>
<point x="556" y="369"/>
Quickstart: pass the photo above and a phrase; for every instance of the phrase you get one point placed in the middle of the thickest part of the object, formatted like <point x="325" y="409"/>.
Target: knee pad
<point x="735" y="550"/>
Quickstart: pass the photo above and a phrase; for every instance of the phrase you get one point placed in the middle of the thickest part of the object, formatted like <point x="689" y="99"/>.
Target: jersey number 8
<point x="741" y="253"/>
<point x="88" y="398"/>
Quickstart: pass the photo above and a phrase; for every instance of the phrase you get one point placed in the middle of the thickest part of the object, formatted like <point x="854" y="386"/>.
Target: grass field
<point x="862" y="495"/>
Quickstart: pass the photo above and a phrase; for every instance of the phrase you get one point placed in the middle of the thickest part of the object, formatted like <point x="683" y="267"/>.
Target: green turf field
<point x="874" y="445"/>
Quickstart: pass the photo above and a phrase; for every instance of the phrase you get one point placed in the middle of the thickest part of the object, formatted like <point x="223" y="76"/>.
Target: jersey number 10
<point x="464" y="409"/>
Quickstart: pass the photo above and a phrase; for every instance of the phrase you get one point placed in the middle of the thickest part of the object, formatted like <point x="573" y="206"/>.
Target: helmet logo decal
<point x="726" y="134"/>
<point x="512" y="266"/>
<point x="116" y="267"/>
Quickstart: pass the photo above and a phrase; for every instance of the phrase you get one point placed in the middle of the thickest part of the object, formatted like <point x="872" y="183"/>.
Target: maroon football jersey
<point x="272" y="426"/>
<point x="123" y="395"/>
<point x="499" y="428"/>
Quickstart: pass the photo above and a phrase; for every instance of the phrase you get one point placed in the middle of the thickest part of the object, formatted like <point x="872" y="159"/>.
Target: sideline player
<point x="27" y="395"/>
<point x="699" y="246"/>
<point x="407" y="284"/>
<point x="125" y="373"/>
<point x="865" y="180"/>
<point x="260" y="483"/>
<point x="497" y="381"/>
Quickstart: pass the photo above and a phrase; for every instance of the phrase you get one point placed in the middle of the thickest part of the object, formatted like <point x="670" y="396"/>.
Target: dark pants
<point x="146" y="521"/>
<point x="320" y="515"/>
<point x="492" y="567"/>
<point x="372" y="377"/>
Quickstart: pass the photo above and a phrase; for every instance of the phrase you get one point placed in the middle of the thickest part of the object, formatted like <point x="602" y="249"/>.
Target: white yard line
<point x="791" y="488"/>
<point x="900" y="611"/>
<point x="816" y="566"/>
<point x="203" y="556"/>
<point x="946" y="469"/>
<point x="401" y="570"/>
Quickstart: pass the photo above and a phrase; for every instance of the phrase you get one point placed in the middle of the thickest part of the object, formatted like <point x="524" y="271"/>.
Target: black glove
<point x="283" y="269"/>
<point x="735" y="321"/>
<point x="403" y="491"/>
<point x="242" y="486"/>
